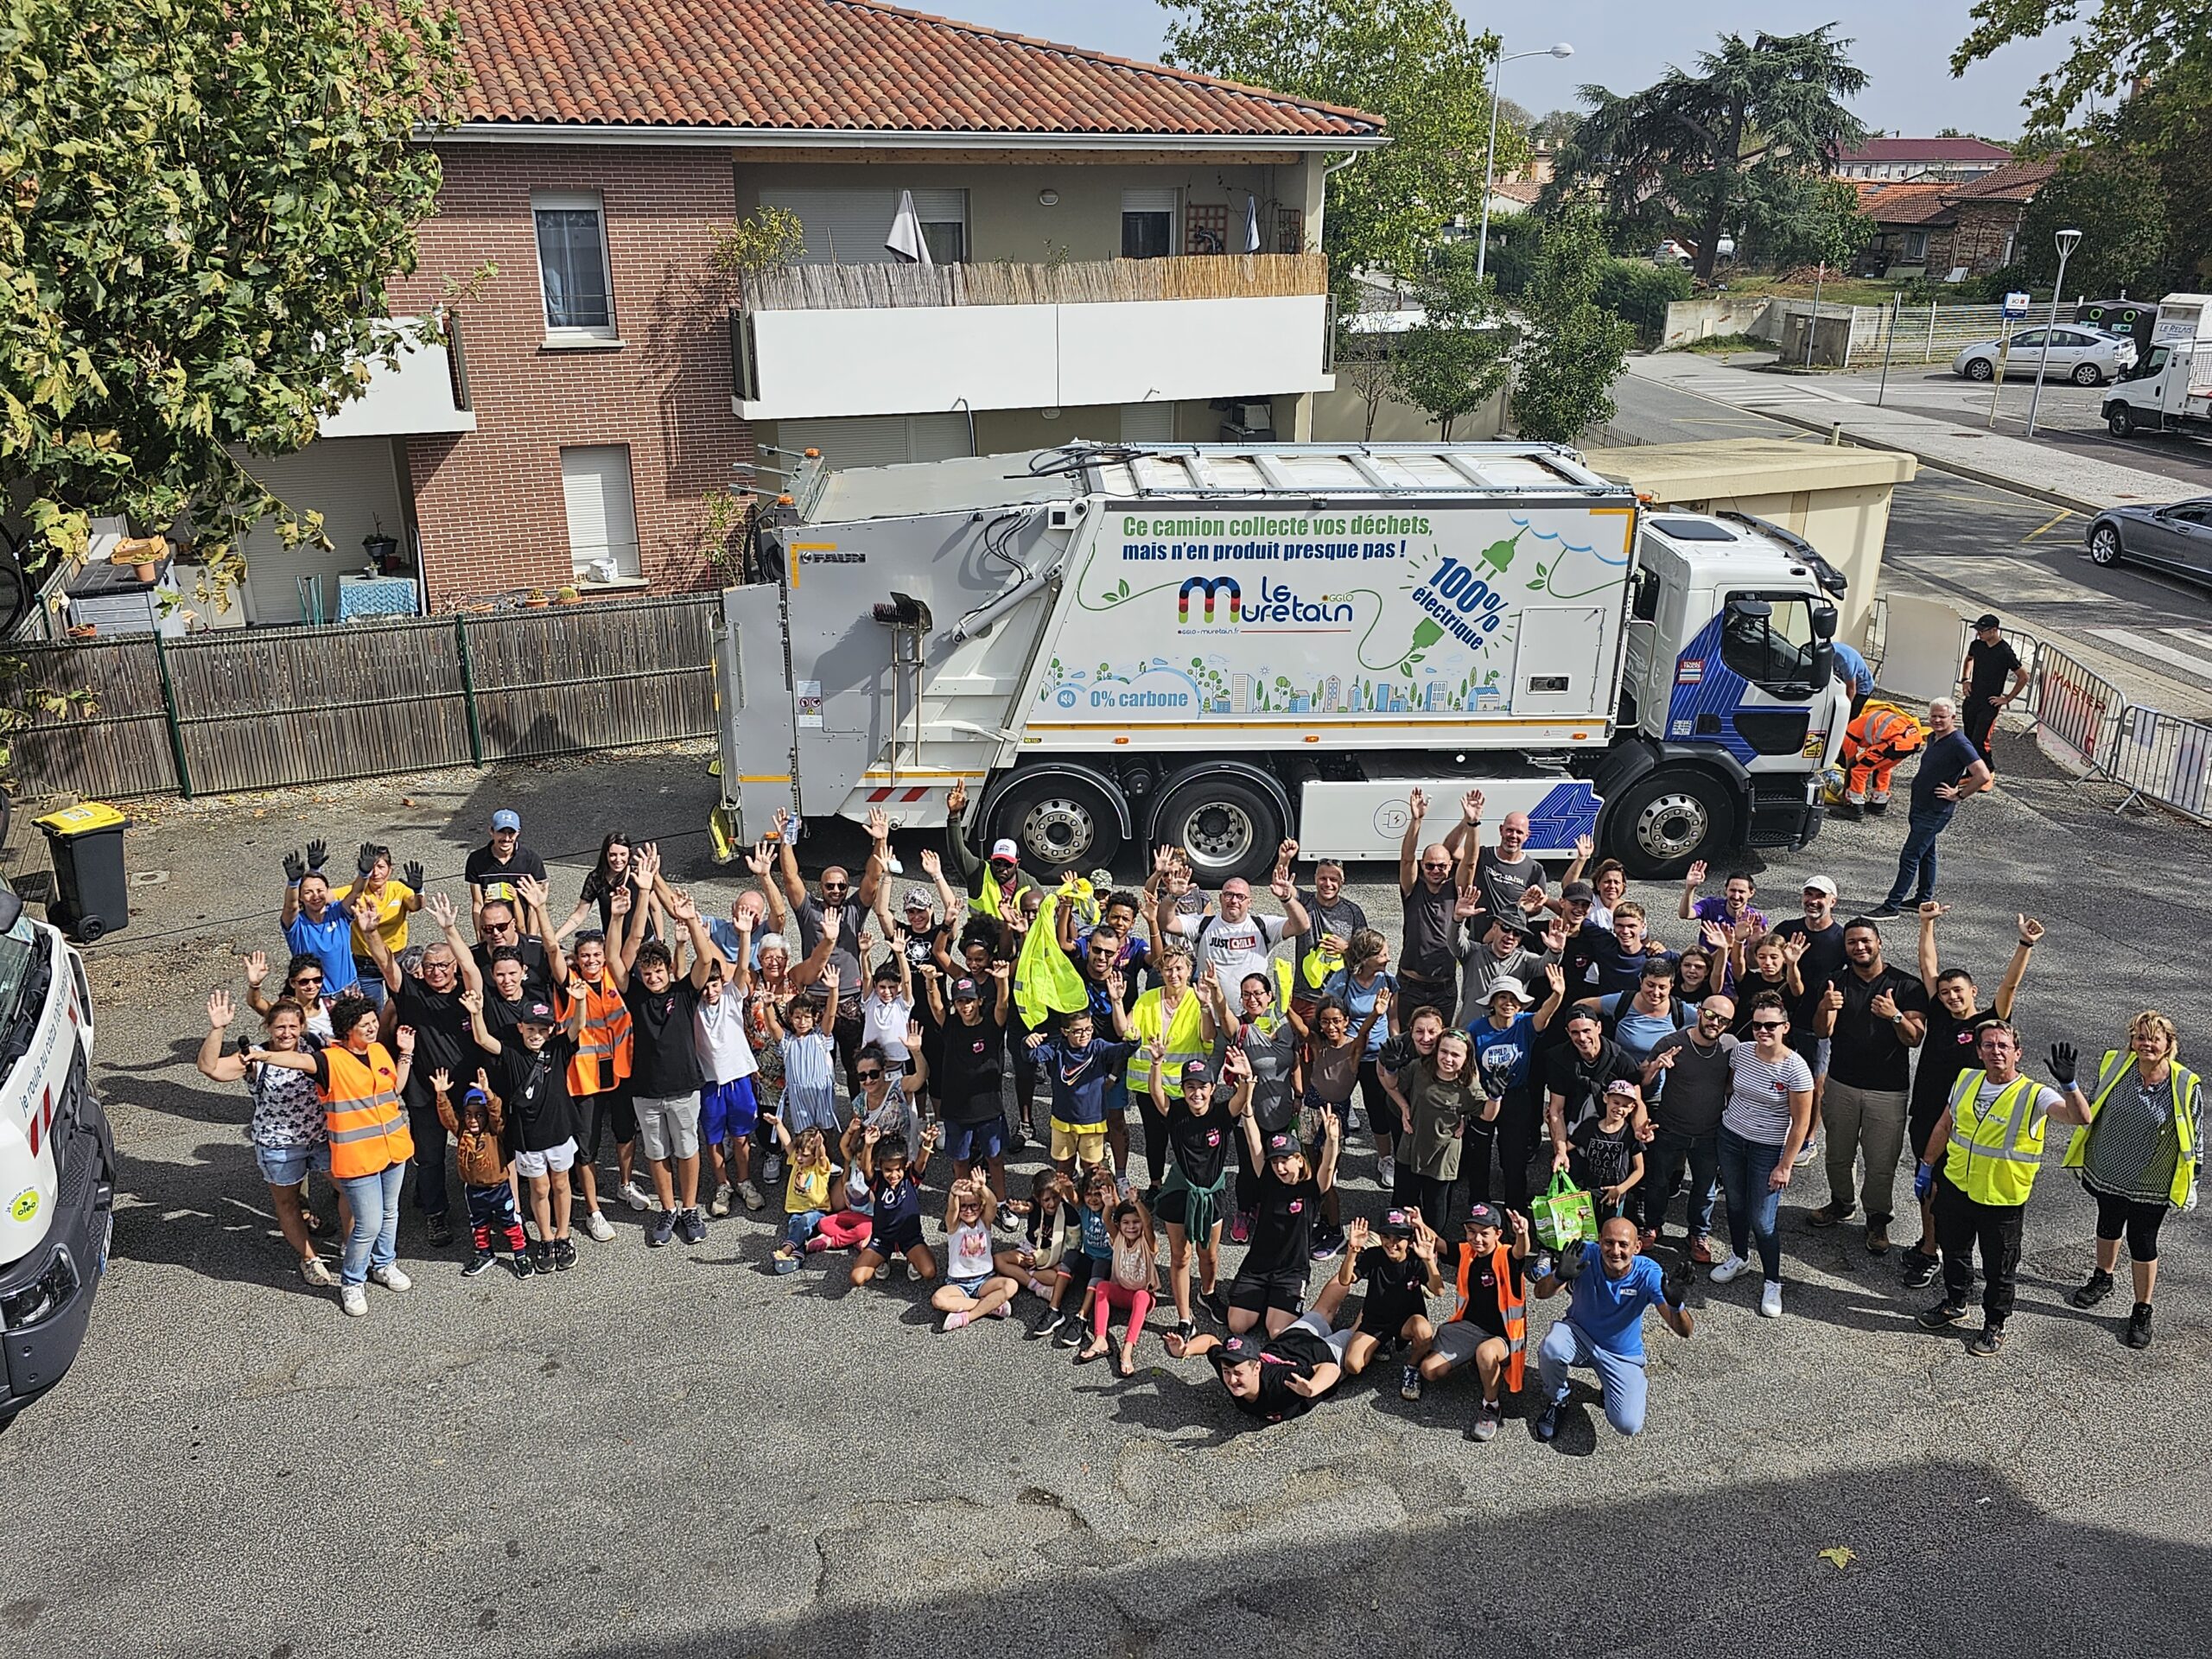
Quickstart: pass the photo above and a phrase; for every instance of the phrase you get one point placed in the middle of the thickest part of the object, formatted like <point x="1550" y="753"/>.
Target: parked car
<point x="2178" y="537"/>
<point x="2087" y="357"/>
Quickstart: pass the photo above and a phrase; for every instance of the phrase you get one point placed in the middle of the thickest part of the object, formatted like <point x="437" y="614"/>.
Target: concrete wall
<point x="1723" y="313"/>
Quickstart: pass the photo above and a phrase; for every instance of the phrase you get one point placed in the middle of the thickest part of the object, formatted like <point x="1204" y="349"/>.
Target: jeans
<point x="422" y="1122"/>
<point x="369" y="981"/>
<point x="1753" y="1205"/>
<point x="1872" y="1119"/>
<point x="1621" y="1379"/>
<point x="1917" y="862"/>
<point x="1663" y="1164"/>
<point x="1962" y="1224"/>
<point x="375" y="1239"/>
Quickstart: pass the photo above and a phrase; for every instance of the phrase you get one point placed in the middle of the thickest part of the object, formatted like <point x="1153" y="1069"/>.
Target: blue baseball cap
<point x="507" y="818"/>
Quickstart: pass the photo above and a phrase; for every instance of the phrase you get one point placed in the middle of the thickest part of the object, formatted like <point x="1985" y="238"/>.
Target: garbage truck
<point x="57" y="1158"/>
<point x="1223" y="646"/>
<point x="2170" y="389"/>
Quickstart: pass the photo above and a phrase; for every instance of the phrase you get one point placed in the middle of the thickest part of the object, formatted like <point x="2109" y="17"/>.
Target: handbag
<point x="1563" y="1214"/>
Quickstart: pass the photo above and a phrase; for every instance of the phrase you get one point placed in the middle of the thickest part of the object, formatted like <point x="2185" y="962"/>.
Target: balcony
<point x="428" y="391"/>
<point x="830" y="340"/>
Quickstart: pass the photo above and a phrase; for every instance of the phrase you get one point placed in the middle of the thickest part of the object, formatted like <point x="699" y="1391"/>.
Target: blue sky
<point x="1903" y="45"/>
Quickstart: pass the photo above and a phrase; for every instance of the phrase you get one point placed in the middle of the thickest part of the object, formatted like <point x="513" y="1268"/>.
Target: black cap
<point x="1195" y="1071"/>
<point x="1241" y="1349"/>
<point x="1395" y="1223"/>
<point x="1482" y="1214"/>
<point x="1578" y="890"/>
<point x="1986" y="619"/>
<point x="1283" y="1145"/>
<point x="537" y="1011"/>
<point x="964" y="987"/>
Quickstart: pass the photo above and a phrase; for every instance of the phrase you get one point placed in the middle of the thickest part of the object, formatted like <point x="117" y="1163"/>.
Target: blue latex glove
<point x="1924" y="1180"/>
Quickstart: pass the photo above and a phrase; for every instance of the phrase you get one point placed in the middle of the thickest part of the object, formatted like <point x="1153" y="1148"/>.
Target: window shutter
<point x="602" y="511"/>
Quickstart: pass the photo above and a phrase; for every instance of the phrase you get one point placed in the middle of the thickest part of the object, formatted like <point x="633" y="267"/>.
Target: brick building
<point x="603" y="383"/>
<point x="1942" y="228"/>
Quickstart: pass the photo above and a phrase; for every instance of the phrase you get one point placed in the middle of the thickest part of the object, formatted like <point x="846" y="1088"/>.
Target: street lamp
<point x="2067" y="241"/>
<point x="1489" y="156"/>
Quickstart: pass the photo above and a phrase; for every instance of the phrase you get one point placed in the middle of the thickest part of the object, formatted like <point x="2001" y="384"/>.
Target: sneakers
<point x="391" y="1278"/>
<point x="1409" y="1383"/>
<point x="1352" y="1119"/>
<point x="353" y="1300"/>
<point x="1186" y="1333"/>
<point x="564" y="1254"/>
<point x="1920" y="1268"/>
<point x="522" y="1265"/>
<point x="1941" y="1317"/>
<point x="1215" y="1304"/>
<point x="477" y="1264"/>
<point x="1484" y="1427"/>
<point x="719" y="1207"/>
<point x="749" y="1195"/>
<point x="439" y="1230"/>
<point x="659" y="1229"/>
<point x="1830" y="1214"/>
<point x="913" y="1273"/>
<point x="1327" y="1248"/>
<point x="316" y="1271"/>
<point x="691" y="1226"/>
<point x="1878" y="1239"/>
<point x="1884" y="911"/>
<point x="1728" y="1267"/>
<point x="1071" y="1332"/>
<point x="2094" y="1289"/>
<point x="1240" y="1230"/>
<point x="1546" y="1423"/>
<point x="1991" y="1339"/>
<point x="1046" y="1323"/>
<point x="1386" y="1172"/>
<point x="785" y="1259"/>
<point x="1807" y="1153"/>
<point x="2139" y="1326"/>
<point x="598" y="1226"/>
<point x="541" y="1257"/>
<point x="1770" y="1299"/>
<point x="636" y="1196"/>
<point x="1701" y="1250"/>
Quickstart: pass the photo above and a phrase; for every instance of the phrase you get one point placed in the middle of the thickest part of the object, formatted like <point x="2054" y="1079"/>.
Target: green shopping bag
<point x="1563" y="1214"/>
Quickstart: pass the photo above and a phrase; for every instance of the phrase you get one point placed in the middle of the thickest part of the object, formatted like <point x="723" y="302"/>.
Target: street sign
<point x="2016" y="307"/>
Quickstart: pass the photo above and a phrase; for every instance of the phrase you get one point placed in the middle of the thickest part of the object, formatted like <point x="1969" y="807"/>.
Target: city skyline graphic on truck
<point x="1252" y="612"/>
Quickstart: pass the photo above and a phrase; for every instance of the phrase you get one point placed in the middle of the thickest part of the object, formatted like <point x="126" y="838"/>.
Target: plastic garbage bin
<point x="91" y="893"/>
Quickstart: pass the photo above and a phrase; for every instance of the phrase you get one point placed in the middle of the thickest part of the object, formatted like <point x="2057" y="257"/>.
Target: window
<point x="847" y="225"/>
<point x="572" y="266"/>
<point x="602" y="512"/>
<point x="1777" y="652"/>
<point x="1915" y="245"/>
<point x="1148" y="224"/>
<point x="1205" y="227"/>
<point x="2030" y="341"/>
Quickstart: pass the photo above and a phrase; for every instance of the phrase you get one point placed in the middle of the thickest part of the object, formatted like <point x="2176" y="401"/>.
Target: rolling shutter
<point x="602" y="512"/>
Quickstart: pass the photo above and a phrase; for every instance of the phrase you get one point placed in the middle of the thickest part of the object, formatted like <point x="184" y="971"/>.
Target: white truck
<point x="1223" y="645"/>
<point x="2170" y="389"/>
<point x="57" y="1158"/>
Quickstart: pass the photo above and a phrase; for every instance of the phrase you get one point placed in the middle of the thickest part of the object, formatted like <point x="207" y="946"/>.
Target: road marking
<point x="2060" y="517"/>
<point x="2192" y="636"/>
<point x="2158" y="649"/>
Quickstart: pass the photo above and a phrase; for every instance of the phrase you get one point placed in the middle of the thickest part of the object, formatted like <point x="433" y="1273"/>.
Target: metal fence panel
<point x="2078" y="713"/>
<point x="2163" y="758"/>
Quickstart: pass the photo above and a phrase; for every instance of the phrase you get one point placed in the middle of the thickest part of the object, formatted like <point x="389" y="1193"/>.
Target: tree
<point x="1680" y="157"/>
<point x="1460" y="355"/>
<point x="1791" y="219"/>
<point x="1413" y="62"/>
<point x="1573" y="349"/>
<point x="2123" y="43"/>
<point x="201" y="194"/>
<point x="2123" y="225"/>
<point x="1556" y="128"/>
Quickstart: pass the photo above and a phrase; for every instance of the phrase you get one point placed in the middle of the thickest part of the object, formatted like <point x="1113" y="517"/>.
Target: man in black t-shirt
<point x="664" y="1075"/>
<point x="492" y="868"/>
<point x="1282" y="1375"/>
<point x="1429" y="882"/>
<point x="1990" y="662"/>
<point x="1505" y="873"/>
<point x="529" y="1072"/>
<point x="1874" y="1016"/>
<point x="1576" y="1074"/>
<point x="429" y="1001"/>
<point x="503" y="925"/>
<point x="1950" y="770"/>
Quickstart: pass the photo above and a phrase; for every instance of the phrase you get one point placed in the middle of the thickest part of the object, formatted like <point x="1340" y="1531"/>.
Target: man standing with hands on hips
<point x="1982" y="690"/>
<point x="1951" y="769"/>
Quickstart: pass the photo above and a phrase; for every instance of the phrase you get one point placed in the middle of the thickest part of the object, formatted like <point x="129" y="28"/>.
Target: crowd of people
<point x="1187" y="1086"/>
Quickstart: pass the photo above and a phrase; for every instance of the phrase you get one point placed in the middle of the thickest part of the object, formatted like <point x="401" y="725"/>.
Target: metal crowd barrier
<point x="2076" y="713"/>
<point x="2166" y="758"/>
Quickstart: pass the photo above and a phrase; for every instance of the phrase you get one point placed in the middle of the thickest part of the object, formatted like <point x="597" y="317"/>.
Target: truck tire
<point x="1059" y="823"/>
<point x="1668" y="819"/>
<point x="1226" y="824"/>
<point x="2120" y="421"/>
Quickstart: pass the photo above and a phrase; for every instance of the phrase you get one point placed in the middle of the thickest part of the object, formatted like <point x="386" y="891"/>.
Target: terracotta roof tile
<point x="1904" y="204"/>
<point x="839" y="66"/>
<point x="2016" y="182"/>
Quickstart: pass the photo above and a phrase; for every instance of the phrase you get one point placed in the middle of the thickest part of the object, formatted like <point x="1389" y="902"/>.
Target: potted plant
<point x="383" y="550"/>
<point x="568" y="595"/>
<point x="535" y="600"/>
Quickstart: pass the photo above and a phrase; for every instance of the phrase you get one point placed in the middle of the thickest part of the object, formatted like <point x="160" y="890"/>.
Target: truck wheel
<point x="1667" y="820"/>
<point x="1227" y="825"/>
<point x="1059" y="823"/>
<point x="2120" y="422"/>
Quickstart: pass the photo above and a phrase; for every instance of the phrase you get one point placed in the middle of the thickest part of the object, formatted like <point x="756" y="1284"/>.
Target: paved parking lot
<point x="677" y="1452"/>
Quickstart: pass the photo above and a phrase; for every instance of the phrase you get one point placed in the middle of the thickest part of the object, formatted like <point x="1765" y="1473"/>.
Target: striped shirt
<point x="1758" y="1094"/>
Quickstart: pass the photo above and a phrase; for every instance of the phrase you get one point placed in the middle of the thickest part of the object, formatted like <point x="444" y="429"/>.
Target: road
<point x="678" y="1454"/>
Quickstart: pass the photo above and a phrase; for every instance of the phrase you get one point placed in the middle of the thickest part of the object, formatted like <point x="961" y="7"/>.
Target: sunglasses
<point x="869" y="1077"/>
<point x="1770" y="1025"/>
<point x="837" y="886"/>
<point x="307" y="979"/>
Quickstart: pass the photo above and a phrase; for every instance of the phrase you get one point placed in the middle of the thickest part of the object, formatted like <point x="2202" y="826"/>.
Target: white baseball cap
<point x="1005" y="848"/>
<point x="1820" y="884"/>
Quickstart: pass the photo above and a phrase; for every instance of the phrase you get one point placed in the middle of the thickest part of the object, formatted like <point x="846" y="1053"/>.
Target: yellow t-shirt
<point x="392" y="916"/>
<point x="808" y="1188"/>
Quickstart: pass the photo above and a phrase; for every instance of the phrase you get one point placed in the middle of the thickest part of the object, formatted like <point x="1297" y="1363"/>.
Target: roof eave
<point x="579" y="132"/>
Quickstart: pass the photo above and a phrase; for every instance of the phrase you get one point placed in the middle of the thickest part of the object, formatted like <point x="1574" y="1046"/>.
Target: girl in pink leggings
<point x="1128" y="1288"/>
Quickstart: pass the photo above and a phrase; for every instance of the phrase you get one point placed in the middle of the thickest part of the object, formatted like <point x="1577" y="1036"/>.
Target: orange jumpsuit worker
<point x="1880" y="736"/>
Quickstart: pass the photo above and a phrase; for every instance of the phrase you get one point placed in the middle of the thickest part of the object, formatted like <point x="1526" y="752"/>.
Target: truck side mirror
<point x="1824" y="621"/>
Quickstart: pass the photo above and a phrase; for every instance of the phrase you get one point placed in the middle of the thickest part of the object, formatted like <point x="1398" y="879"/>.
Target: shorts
<point x="971" y="1287"/>
<point x="668" y="1126"/>
<point x="1084" y="1140"/>
<point x="1385" y="1323"/>
<point x="288" y="1166"/>
<point x="1457" y="1341"/>
<point x="1338" y="1340"/>
<point x="974" y="1143"/>
<point x="728" y="1111"/>
<point x="609" y="1109"/>
<point x="551" y="1161"/>
<point x="904" y="1236"/>
<point x="1257" y="1292"/>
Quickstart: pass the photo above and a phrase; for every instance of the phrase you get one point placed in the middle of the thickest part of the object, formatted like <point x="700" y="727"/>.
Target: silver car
<point x="2087" y="357"/>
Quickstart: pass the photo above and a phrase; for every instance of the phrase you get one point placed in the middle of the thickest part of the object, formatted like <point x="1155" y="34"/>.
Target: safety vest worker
<point x="1996" y="1148"/>
<point x="1512" y="1307"/>
<point x="361" y="1108"/>
<point x="1182" y="1034"/>
<point x="1879" y="736"/>
<point x="603" y="1047"/>
<point x="2113" y="1070"/>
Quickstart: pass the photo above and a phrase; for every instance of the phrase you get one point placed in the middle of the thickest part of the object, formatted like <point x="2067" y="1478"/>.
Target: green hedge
<point x="1641" y="292"/>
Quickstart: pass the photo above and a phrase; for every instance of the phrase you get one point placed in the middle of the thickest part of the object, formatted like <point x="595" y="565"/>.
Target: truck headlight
<point x="42" y="1298"/>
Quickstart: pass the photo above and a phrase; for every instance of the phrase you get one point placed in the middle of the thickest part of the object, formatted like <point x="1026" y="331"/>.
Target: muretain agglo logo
<point x="1221" y="604"/>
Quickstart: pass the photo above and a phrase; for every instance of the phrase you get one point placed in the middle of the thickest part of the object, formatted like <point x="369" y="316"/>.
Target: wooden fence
<point x="269" y="707"/>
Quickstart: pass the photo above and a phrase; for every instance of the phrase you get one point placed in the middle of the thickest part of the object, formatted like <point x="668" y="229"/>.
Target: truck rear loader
<point x="1221" y="646"/>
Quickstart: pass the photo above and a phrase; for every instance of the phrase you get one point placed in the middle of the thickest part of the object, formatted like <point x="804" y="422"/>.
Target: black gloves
<point x="1571" y="1263"/>
<point x="2065" y="1064"/>
<point x="1675" y="1282"/>
<point x="294" y="870"/>
<point x="413" y="874"/>
<point x="365" y="856"/>
<point x="318" y="856"/>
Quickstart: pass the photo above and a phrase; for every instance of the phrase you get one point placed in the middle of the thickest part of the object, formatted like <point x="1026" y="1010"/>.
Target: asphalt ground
<point x="675" y="1452"/>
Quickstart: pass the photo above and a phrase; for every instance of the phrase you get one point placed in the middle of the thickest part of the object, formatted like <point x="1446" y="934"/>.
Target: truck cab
<point x="2170" y="389"/>
<point x="57" y="1158"/>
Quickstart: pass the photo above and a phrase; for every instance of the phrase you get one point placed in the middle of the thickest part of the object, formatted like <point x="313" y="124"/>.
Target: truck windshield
<point x="19" y="960"/>
<point x="1775" y="652"/>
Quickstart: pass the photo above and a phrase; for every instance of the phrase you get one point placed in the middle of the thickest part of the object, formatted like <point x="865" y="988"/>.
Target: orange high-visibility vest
<point x="1884" y="728"/>
<point x="368" y="1130"/>
<point x="603" y="1045"/>
<point x="1515" y="1308"/>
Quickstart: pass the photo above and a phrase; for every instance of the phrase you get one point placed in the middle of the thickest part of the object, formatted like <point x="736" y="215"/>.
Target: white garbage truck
<point x="57" y="1158"/>
<point x="1221" y="646"/>
<point x="2170" y="389"/>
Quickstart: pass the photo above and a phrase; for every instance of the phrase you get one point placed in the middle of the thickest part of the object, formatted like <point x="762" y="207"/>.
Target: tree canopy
<point x="2120" y="42"/>
<point x="1460" y="355"/>
<point x="1573" y="349"/>
<point x="1683" y="158"/>
<point x="201" y="194"/>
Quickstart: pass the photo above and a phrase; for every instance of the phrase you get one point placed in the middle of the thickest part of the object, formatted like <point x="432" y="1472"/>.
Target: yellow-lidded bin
<point x="92" y="894"/>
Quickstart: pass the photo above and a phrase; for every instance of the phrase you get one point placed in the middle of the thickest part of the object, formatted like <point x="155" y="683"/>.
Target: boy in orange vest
<point x="1491" y="1325"/>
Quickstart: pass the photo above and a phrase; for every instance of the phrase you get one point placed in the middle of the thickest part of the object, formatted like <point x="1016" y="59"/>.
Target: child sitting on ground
<point x="479" y="1131"/>
<point x="1086" y="1266"/>
<point x="811" y="1190"/>
<point x="973" y="1286"/>
<point x="895" y="1197"/>
<point x="1128" y="1285"/>
<point x="1035" y="1261"/>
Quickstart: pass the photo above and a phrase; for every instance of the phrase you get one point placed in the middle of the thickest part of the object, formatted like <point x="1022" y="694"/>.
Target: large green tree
<point x="204" y="201"/>
<point x="1682" y="156"/>
<point x="2118" y="43"/>
<point x="1573" y="348"/>
<point x="1413" y="62"/>
<point x="1460" y="354"/>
